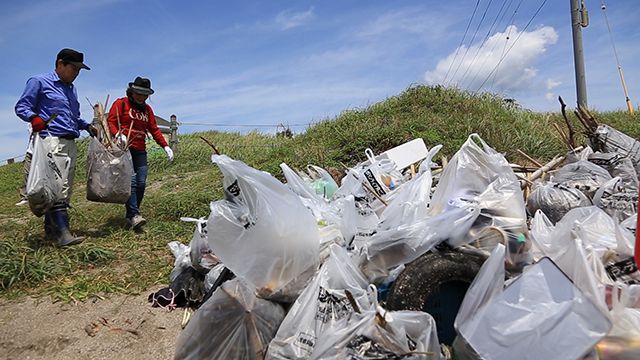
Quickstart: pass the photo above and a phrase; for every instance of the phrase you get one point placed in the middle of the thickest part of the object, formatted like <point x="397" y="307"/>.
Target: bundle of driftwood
<point x="117" y="142"/>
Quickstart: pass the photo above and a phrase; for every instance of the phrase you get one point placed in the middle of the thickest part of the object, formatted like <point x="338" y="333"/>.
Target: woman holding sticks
<point x="130" y="118"/>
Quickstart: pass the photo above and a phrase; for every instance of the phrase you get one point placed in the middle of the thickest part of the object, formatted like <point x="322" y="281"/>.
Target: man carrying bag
<point x="50" y="103"/>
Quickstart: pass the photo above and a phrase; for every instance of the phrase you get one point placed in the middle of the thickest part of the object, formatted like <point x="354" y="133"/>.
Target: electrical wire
<point x="484" y="41"/>
<point x="241" y="125"/>
<point x="512" y="45"/>
<point x="466" y="50"/>
<point x="461" y="41"/>
<point x="504" y="48"/>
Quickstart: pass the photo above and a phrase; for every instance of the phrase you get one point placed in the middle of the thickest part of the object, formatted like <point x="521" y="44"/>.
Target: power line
<point x="512" y="45"/>
<point x="504" y="48"/>
<point x="484" y="41"/>
<point x="472" y="38"/>
<point x="241" y="125"/>
<point x="461" y="42"/>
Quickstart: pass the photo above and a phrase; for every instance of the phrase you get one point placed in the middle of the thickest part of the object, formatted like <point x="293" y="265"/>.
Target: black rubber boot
<point x="63" y="235"/>
<point x="50" y="230"/>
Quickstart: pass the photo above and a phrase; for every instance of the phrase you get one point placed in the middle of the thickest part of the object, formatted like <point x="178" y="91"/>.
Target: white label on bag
<point x="374" y="183"/>
<point x="332" y="306"/>
<point x="306" y="342"/>
<point x="234" y="189"/>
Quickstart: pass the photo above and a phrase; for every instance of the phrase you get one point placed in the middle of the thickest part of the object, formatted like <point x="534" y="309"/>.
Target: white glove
<point x="122" y="138"/>
<point x="169" y="153"/>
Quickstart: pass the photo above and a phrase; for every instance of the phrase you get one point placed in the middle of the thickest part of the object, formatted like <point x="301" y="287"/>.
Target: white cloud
<point x="514" y="73"/>
<point x="288" y="19"/>
<point x="408" y="21"/>
<point x="552" y="84"/>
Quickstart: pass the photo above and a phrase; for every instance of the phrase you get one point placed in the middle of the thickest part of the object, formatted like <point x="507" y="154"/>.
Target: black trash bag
<point x="187" y="290"/>
<point x="555" y="200"/>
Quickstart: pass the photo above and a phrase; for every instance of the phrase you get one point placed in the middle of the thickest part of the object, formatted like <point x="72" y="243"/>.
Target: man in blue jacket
<point x="53" y="97"/>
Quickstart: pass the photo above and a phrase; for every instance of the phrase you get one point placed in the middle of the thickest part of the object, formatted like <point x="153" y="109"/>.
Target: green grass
<point x="114" y="260"/>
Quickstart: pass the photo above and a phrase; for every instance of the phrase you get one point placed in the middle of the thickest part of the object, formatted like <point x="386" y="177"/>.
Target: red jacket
<point x="142" y="123"/>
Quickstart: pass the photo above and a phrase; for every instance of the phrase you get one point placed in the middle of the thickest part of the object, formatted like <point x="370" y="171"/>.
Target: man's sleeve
<point x="29" y="100"/>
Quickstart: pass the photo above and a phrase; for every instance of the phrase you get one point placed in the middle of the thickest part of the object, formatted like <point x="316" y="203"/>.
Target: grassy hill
<point x="115" y="260"/>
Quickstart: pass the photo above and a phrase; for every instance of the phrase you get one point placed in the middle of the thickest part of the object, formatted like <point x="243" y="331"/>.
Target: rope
<point x="606" y="20"/>
<point x="615" y="51"/>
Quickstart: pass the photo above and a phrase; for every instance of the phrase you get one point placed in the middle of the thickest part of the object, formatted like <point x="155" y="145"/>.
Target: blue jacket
<point x="46" y="95"/>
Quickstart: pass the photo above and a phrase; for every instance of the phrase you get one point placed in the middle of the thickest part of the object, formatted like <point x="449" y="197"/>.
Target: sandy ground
<point x="119" y="327"/>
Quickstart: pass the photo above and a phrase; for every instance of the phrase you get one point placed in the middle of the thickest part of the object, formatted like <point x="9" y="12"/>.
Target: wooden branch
<point x="572" y="132"/>
<point x="546" y="167"/>
<point x="215" y="150"/>
<point x="529" y="158"/>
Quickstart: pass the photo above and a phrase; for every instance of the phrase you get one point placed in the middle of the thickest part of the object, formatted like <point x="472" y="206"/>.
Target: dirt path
<point x="120" y="327"/>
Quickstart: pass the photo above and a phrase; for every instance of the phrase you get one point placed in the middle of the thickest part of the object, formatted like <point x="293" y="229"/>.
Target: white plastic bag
<point x="232" y="324"/>
<point x="478" y="174"/>
<point x="202" y="258"/>
<point x="626" y="318"/>
<point x="182" y="261"/>
<point x="48" y="175"/>
<point x="412" y="199"/>
<point x="109" y="173"/>
<point x="526" y="319"/>
<point x="322" y="304"/>
<point x="390" y="248"/>
<point x="380" y="334"/>
<point x="261" y="231"/>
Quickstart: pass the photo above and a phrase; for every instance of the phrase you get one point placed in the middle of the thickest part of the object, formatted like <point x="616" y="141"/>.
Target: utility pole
<point x="579" y="19"/>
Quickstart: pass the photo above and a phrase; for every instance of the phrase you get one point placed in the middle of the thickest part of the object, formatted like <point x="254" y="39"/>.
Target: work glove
<point x="122" y="139"/>
<point x="92" y="130"/>
<point x="37" y="124"/>
<point x="169" y="153"/>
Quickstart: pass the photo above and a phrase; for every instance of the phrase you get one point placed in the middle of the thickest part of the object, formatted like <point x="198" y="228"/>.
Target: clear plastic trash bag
<point x="526" y="319"/>
<point x="263" y="233"/>
<point x="232" y="324"/>
<point x="202" y="258"/>
<point x="480" y="175"/>
<point x="376" y="333"/>
<point x="555" y="200"/>
<point x="47" y="182"/>
<point x="109" y="173"/>
<point x="320" y="306"/>
<point x="582" y="175"/>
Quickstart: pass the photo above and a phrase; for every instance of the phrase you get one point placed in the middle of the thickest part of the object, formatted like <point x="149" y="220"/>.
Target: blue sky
<point x="296" y="62"/>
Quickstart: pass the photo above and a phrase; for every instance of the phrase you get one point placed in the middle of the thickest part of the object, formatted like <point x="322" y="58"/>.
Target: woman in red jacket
<point x="133" y="109"/>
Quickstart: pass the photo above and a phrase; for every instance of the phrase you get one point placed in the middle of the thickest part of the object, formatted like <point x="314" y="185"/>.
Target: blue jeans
<point x="138" y="182"/>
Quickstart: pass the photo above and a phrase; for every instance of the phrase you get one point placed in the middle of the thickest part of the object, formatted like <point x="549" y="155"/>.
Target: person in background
<point x="50" y="103"/>
<point x="124" y="112"/>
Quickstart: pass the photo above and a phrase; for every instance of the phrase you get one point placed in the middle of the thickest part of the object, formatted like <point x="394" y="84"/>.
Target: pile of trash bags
<point x="310" y="269"/>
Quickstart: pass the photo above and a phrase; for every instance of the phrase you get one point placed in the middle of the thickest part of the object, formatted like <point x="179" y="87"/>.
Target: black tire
<point x="436" y="283"/>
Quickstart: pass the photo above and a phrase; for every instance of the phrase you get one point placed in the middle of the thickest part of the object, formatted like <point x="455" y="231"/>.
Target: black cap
<point x="72" y="57"/>
<point x="141" y="86"/>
